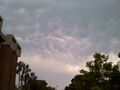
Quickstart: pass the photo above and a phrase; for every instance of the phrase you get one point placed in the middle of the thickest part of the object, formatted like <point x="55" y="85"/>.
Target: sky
<point x="58" y="36"/>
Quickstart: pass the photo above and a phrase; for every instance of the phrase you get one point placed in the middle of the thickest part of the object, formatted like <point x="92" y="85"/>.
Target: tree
<point x="101" y="75"/>
<point x="27" y="80"/>
<point x="40" y="85"/>
<point x="25" y="76"/>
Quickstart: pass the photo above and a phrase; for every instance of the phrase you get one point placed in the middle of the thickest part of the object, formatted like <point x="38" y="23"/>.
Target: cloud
<point x="62" y="33"/>
<point x="54" y="69"/>
<point x="113" y="58"/>
<point x="19" y="39"/>
<point x="49" y="64"/>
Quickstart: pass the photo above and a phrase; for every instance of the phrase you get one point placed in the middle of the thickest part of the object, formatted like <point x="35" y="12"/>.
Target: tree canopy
<point x="101" y="75"/>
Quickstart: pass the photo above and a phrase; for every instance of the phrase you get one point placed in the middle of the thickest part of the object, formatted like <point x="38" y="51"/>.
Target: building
<point x="9" y="53"/>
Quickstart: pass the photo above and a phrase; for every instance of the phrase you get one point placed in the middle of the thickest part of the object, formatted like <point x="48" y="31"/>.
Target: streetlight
<point x="1" y="21"/>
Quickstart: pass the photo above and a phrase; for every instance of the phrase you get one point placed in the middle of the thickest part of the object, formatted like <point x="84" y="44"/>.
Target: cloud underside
<point x="58" y="36"/>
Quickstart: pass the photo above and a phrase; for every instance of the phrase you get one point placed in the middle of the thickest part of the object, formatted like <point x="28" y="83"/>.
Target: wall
<point x="8" y="61"/>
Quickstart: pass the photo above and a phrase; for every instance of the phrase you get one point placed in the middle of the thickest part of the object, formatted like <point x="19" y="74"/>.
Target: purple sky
<point x="58" y="36"/>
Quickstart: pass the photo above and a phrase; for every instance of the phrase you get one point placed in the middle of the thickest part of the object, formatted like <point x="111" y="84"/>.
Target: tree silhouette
<point x="101" y="75"/>
<point x="40" y="85"/>
<point x="25" y="76"/>
<point x="27" y="80"/>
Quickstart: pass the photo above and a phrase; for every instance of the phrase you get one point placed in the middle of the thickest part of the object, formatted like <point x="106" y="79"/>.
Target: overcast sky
<point x="58" y="36"/>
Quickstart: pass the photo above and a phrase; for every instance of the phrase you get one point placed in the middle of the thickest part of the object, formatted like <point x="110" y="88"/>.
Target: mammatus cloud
<point x="62" y="33"/>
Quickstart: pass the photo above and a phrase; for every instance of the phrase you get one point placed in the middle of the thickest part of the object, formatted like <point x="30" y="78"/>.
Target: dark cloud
<point x="68" y="31"/>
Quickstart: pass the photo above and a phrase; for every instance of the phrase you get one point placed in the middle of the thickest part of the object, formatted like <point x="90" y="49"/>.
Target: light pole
<point x="1" y="21"/>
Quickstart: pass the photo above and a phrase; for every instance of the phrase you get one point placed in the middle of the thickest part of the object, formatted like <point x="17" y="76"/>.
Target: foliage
<point x="25" y="76"/>
<point x="102" y="75"/>
<point x="27" y="80"/>
<point x="40" y="85"/>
